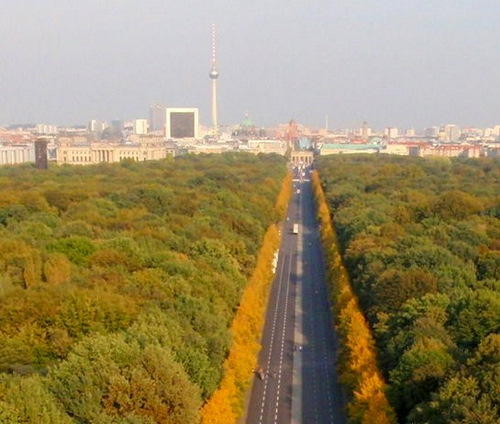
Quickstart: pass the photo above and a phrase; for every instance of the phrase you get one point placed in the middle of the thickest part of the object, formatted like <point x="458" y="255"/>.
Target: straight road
<point x="323" y="400"/>
<point x="298" y="382"/>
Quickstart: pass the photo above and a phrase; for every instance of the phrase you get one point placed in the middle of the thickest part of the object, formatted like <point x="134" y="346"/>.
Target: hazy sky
<point x="390" y="62"/>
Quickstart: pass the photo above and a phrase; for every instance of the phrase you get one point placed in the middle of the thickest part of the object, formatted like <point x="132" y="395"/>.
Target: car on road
<point x="260" y="373"/>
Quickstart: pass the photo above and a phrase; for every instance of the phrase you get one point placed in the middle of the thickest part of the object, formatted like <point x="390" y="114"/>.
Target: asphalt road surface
<point x="297" y="382"/>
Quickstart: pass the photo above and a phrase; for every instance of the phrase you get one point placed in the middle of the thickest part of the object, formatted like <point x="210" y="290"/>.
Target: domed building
<point x="247" y="129"/>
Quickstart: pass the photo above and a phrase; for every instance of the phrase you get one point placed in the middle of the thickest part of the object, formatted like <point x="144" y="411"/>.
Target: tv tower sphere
<point x="214" y="73"/>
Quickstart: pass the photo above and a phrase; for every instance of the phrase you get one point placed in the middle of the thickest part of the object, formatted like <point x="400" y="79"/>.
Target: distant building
<point x="182" y="123"/>
<point x="397" y="149"/>
<point x="67" y="140"/>
<point x="470" y="135"/>
<point x="366" y="131"/>
<point x="117" y="124"/>
<point x="451" y="132"/>
<point x="422" y="148"/>
<point x="88" y="153"/>
<point x="267" y="146"/>
<point x="247" y="129"/>
<point x="391" y="132"/>
<point x="157" y="118"/>
<point x="96" y="126"/>
<point x="453" y="150"/>
<point x="46" y="129"/>
<point x="41" y="153"/>
<point x="496" y="131"/>
<point x="301" y="157"/>
<point x="11" y="155"/>
<point x="304" y="143"/>
<point x="410" y="132"/>
<point x="210" y="148"/>
<point x="431" y="132"/>
<point x="140" y="126"/>
<point x="336" y="149"/>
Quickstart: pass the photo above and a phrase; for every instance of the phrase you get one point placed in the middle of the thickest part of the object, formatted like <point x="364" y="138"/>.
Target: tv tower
<point x="214" y="74"/>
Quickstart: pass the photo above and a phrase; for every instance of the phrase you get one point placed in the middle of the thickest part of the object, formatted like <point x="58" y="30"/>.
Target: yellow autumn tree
<point x="370" y="405"/>
<point x="57" y="269"/>
<point x="281" y="205"/>
<point x="218" y="409"/>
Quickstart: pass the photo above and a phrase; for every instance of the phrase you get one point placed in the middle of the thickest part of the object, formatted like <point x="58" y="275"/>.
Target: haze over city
<point x="389" y="62"/>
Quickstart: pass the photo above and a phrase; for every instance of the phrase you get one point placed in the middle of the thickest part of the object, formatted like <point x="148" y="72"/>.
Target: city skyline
<point x="390" y="64"/>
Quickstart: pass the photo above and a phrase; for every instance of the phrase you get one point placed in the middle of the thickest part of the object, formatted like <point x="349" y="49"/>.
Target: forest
<point x="119" y="283"/>
<point x="420" y="239"/>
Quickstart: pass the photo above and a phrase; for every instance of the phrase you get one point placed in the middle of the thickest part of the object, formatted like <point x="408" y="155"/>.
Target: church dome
<point x="247" y="122"/>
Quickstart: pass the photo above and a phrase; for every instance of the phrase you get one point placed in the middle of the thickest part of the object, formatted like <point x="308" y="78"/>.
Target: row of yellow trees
<point x="357" y="363"/>
<point x="227" y="403"/>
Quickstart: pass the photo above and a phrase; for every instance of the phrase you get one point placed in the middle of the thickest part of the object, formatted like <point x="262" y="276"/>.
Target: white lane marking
<point x="283" y="337"/>
<point x="275" y="317"/>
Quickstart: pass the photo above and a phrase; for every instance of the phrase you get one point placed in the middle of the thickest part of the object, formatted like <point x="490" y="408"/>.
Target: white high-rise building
<point x="182" y="122"/>
<point x="451" y="132"/>
<point x="140" y="126"/>
<point x="391" y="132"/>
<point x="46" y="129"/>
<point x="96" y="126"/>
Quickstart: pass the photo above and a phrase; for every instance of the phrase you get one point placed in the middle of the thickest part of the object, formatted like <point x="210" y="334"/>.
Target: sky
<point x="403" y="63"/>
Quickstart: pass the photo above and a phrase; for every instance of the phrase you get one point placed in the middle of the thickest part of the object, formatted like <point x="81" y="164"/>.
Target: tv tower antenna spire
<point x="214" y="74"/>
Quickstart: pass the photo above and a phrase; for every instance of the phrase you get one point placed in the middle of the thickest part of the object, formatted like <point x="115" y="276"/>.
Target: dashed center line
<point x="283" y="332"/>
<point x="284" y="285"/>
<point x="273" y="330"/>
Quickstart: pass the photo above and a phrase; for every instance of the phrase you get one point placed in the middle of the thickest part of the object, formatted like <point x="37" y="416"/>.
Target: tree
<point x="457" y="204"/>
<point x="56" y="269"/>
<point x="29" y="401"/>
<point x="106" y="378"/>
<point x="76" y="248"/>
<point x="488" y="265"/>
<point x="474" y="316"/>
<point x="420" y="371"/>
<point x="472" y="395"/>
<point x="394" y="287"/>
